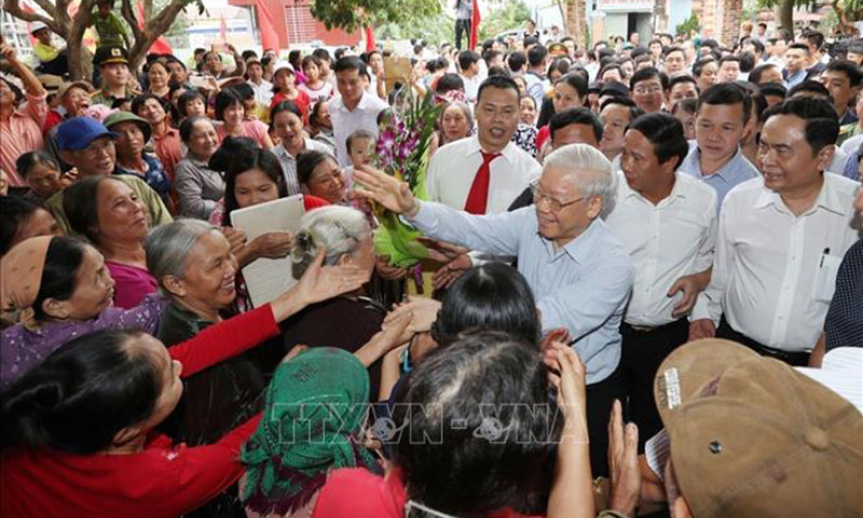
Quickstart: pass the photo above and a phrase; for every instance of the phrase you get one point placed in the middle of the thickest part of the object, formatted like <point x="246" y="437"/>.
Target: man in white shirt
<point x="667" y="222"/>
<point x="454" y="167"/>
<point x="536" y="82"/>
<point x="354" y="109"/>
<point x="468" y="63"/>
<point x="263" y="89"/>
<point x="781" y="239"/>
<point x="458" y="175"/>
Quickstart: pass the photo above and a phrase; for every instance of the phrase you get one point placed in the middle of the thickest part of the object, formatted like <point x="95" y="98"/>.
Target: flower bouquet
<point x="402" y="151"/>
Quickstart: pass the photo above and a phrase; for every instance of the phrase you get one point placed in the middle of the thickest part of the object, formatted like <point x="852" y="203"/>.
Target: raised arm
<point x="497" y="235"/>
<point x="242" y="332"/>
<point x="37" y="107"/>
<point x="31" y="84"/>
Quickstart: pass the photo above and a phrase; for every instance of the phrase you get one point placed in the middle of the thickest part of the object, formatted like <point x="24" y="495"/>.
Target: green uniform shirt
<point x="110" y="29"/>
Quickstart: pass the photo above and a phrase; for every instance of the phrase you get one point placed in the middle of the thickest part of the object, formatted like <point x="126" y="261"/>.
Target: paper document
<point x="266" y="279"/>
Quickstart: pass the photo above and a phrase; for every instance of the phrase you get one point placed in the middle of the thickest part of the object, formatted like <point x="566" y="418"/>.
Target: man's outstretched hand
<point x="386" y="190"/>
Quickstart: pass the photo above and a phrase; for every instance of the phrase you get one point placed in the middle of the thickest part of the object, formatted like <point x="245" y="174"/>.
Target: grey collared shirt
<point x="734" y="172"/>
<point x="583" y="287"/>
<point x="198" y="187"/>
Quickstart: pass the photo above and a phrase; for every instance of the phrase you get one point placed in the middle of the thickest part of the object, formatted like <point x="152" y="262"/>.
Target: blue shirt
<point x="735" y="171"/>
<point x="851" y="166"/>
<point x="583" y="287"/>
<point x="792" y="80"/>
<point x="155" y="176"/>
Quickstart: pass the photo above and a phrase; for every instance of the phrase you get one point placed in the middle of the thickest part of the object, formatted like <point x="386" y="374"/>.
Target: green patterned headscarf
<point x="315" y="407"/>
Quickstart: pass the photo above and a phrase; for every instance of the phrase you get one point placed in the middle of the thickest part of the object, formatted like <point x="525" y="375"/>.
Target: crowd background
<point x="634" y="251"/>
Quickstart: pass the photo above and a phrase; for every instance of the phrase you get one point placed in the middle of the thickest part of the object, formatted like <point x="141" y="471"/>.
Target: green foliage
<point x="691" y="25"/>
<point x="434" y="30"/>
<point x="355" y="14"/>
<point x="441" y="27"/>
<point x="512" y="15"/>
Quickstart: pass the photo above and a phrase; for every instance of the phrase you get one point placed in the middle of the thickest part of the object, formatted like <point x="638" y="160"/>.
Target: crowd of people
<point x="632" y="250"/>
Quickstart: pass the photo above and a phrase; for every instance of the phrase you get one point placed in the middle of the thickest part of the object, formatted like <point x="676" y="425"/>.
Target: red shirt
<point x="162" y="481"/>
<point x="167" y="148"/>
<point x="302" y="101"/>
<point x="52" y="119"/>
<point x="359" y="493"/>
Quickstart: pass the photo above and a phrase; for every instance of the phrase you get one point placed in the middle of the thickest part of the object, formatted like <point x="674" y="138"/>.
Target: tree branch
<point x="13" y="7"/>
<point x="148" y="9"/>
<point x="129" y="16"/>
<point x="62" y="14"/>
<point x="163" y="20"/>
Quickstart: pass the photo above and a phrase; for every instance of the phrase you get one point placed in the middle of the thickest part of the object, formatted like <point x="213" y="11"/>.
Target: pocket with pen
<point x="825" y="278"/>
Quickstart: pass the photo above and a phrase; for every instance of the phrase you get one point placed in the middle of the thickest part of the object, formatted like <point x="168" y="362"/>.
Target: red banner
<point x="267" y="25"/>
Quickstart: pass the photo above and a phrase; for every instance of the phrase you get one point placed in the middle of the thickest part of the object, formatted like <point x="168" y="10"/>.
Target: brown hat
<point x="50" y="82"/>
<point x="751" y="437"/>
<point x="65" y="87"/>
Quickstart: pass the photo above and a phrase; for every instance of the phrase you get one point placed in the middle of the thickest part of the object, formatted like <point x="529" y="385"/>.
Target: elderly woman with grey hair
<point x="580" y="274"/>
<point x="455" y="123"/>
<point x="194" y="266"/>
<point x="347" y="238"/>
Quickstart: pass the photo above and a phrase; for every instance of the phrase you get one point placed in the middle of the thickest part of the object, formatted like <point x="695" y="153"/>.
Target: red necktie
<point x="477" y="199"/>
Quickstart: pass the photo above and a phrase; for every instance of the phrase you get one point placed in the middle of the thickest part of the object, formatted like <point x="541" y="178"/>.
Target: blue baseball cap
<point x="76" y="133"/>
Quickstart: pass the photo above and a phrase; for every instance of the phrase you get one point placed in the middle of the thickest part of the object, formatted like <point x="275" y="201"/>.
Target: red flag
<point x="370" y="39"/>
<point x="474" y="25"/>
<point x="266" y="23"/>
<point x="161" y="45"/>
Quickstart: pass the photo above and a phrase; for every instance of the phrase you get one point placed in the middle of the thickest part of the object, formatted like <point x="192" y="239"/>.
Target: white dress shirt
<point x="774" y="273"/>
<point x="666" y="241"/>
<point x="263" y="92"/>
<point x="453" y="168"/>
<point x="471" y="86"/>
<point x="364" y="116"/>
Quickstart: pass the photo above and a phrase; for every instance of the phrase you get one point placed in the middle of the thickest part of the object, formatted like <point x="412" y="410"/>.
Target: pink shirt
<point x="252" y="128"/>
<point x="132" y="284"/>
<point x="22" y="134"/>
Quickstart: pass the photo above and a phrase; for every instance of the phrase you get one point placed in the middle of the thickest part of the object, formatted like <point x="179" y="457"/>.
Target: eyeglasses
<point x="643" y="90"/>
<point x="553" y="203"/>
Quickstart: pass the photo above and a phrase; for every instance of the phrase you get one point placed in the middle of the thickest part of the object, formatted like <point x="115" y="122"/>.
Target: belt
<point x="796" y="358"/>
<point x="657" y="329"/>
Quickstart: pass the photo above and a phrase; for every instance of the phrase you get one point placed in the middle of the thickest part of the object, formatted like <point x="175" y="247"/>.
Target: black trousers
<point x="462" y="27"/>
<point x="643" y="353"/>
<point x="600" y="398"/>
<point x="796" y="359"/>
<point x="59" y="66"/>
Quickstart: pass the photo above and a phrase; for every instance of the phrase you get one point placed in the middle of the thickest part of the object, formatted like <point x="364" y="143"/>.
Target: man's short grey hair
<point x="338" y="229"/>
<point x="593" y="174"/>
<point x="168" y="246"/>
